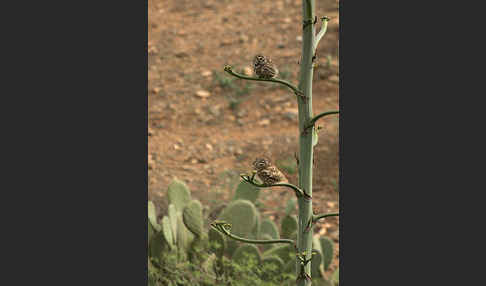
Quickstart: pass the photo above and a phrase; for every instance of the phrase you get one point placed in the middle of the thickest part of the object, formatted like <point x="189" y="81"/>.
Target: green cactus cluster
<point x="245" y="220"/>
<point x="323" y="248"/>
<point x="182" y="232"/>
<point x="179" y="229"/>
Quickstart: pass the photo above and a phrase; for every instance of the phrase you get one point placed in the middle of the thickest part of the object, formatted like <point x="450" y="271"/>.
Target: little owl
<point x="267" y="172"/>
<point x="264" y="68"/>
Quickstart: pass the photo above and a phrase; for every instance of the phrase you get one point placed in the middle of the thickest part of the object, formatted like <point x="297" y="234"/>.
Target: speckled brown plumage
<point x="264" y="67"/>
<point x="267" y="172"/>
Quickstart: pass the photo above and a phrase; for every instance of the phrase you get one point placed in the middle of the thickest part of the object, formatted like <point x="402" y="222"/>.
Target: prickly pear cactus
<point x="241" y="214"/>
<point x="290" y="266"/>
<point x="217" y="243"/>
<point x="317" y="259"/>
<point x="293" y="236"/>
<point x="208" y="265"/>
<point x="197" y="249"/>
<point x="270" y="228"/>
<point x="173" y="221"/>
<point x="246" y="191"/>
<point x="178" y="194"/>
<point x="255" y="233"/>
<point x="184" y="236"/>
<point x="316" y="263"/>
<point x="158" y="247"/>
<point x="272" y="266"/>
<point x="152" y="216"/>
<point x="192" y="217"/>
<point x="243" y="252"/>
<point x="285" y="252"/>
<point x="232" y="245"/>
<point x="150" y="232"/>
<point x="289" y="226"/>
<point x="291" y="206"/>
<point x="275" y="260"/>
<point x="267" y="246"/>
<point x="167" y="231"/>
<point x="327" y="246"/>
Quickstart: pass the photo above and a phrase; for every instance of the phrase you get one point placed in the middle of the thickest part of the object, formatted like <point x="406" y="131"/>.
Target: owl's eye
<point x="261" y="164"/>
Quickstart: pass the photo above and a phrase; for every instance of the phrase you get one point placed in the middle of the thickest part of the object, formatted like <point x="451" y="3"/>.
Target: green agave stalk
<point x="307" y="141"/>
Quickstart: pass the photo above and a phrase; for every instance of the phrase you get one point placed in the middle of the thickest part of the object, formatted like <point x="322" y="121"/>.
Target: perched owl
<point x="268" y="173"/>
<point x="264" y="68"/>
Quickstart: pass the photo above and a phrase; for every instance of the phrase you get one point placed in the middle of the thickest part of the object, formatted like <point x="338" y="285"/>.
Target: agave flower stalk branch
<point x="229" y="70"/>
<point x="250" y="180"/>
<point x="319" y="116"/>
<point x="319" y="216"/>
<point x="225" y="228"/>
<point x="322" y="32"/>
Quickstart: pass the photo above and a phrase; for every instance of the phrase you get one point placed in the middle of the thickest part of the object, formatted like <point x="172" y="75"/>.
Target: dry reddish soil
<point x="206" y="127"/>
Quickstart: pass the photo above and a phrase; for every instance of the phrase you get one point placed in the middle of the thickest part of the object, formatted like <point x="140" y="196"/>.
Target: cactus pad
<point x="255" y="233"/>
<point x="289" y="226"/>
<point x="271" y="266"/>
<point x="158" y="247"/>
<point x="317" y="259"/>
<point x="246" y="191"/>
<point x="150" y="232"/>
<point x="285" y="252"/>
<point x="242" y="215"/>
<point x="316" y="263"/>
<point x="277" y="261"/>
<point x="293" y="236"/>
<point x="173" y="221"/>
<point x="178" y="194"/>
<point x="243" y="252"/>
<point x="192" y="217"/>
<point x="270" y="228"/>
<point x="231" y="246"/>
<point x="327" y="246"/>
<point x="290" y="208"/>
<point x="184" y="236"/>
<point x="167" y="231"/>
<point x="217" y="243"/>
<point x="197" y="249"/>
<point x="267" y="246"/>
<point x="152" y="216"/>
<point x="208" y="265"/>
<point x="289" y="267"/>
